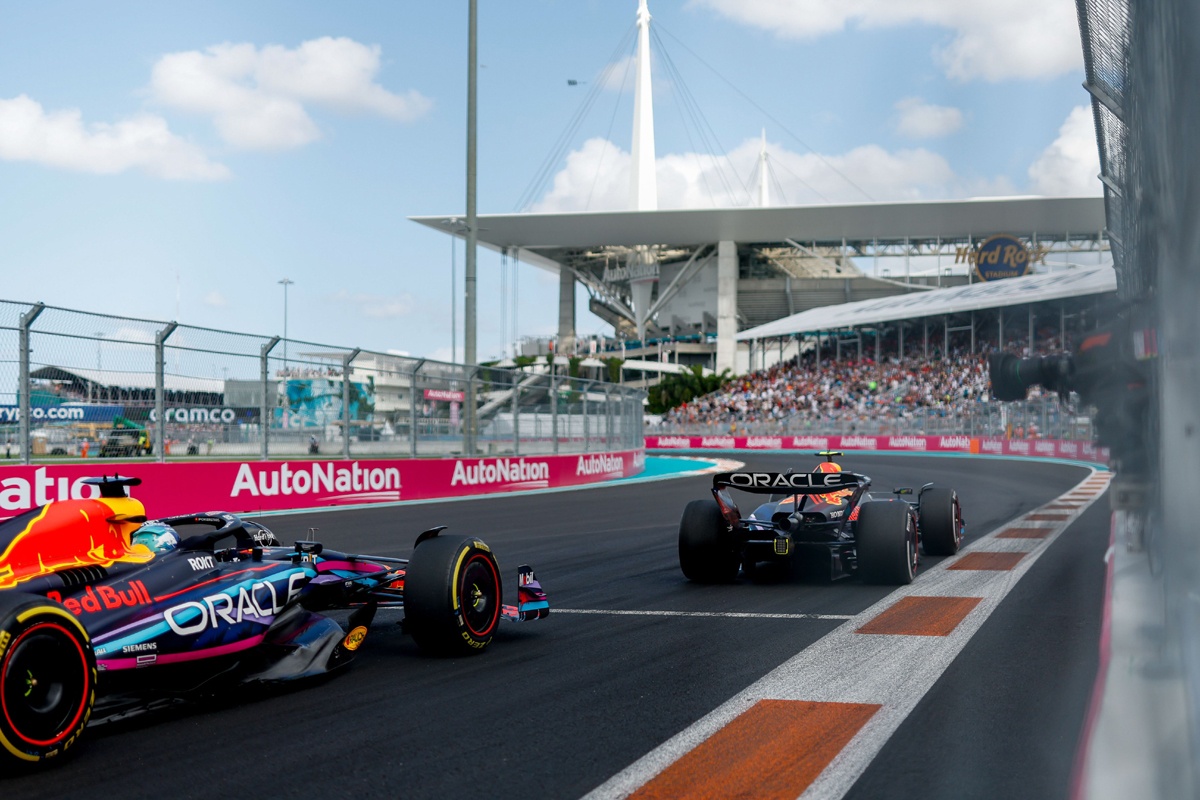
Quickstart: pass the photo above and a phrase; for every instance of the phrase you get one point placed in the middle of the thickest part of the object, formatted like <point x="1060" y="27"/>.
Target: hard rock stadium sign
<point x="1001" y="256"/>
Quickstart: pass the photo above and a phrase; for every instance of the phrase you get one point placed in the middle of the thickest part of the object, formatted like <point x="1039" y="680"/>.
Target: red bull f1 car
<point x="104" y="614"/>
<point x="824" y="522"/>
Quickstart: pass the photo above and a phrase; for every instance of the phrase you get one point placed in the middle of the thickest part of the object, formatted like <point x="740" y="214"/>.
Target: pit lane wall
<point x="255" y="486"/>
<point x="1045" y="448"/>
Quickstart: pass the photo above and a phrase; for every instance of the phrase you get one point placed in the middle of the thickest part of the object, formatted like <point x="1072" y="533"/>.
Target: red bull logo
<point x="104" y="598"/>
<point x="75" y="533"/>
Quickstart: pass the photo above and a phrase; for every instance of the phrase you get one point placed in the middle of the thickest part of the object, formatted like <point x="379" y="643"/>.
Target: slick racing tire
<point x="887" y="543"/>
<point x="941" y="522"/>
<point x="706" y="547"/>
<point x="452" y="594"/>
<point x="47" y="679"/>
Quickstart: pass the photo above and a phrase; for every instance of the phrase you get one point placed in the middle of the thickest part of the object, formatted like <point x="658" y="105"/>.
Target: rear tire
<point x="941" y="523"/>
<point x="452" y="593"/>
<point x="887" y="543"/>
<point x="706" y="546"/>
<point x="47" y="679"/>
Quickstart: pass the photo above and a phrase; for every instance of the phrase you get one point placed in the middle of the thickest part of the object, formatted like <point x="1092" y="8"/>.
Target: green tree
<point x="675" y="390"/>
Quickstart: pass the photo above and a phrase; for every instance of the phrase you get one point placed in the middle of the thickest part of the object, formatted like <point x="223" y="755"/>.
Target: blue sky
<point x="221" y="146"/>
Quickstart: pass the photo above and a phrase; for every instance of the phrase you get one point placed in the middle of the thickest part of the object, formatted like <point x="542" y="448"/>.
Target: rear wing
<point x="790" y="482"/>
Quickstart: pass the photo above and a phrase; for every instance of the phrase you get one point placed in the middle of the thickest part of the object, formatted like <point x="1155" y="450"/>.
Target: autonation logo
<point x="501" y="470"/>
<point x="318" y="478"/>
<point x="600" y="464"/>
<point x="19" y="494"/>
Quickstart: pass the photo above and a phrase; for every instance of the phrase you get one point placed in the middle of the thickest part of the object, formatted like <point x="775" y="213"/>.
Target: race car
<point x="825" y="519"/>
<point x="104" y="613"/>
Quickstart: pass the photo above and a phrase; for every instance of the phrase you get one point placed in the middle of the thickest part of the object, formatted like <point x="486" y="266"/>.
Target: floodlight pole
<point x="469" y="354"/>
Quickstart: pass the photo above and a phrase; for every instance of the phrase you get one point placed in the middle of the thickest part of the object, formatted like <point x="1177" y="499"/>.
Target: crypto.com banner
<point x="1046" y="448"/>
<point x="247" y="487"/>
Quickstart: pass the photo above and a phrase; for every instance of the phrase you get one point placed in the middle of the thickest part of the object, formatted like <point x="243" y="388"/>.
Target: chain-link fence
<point x="1142" y="62"/>
<point x="82" y="385"/>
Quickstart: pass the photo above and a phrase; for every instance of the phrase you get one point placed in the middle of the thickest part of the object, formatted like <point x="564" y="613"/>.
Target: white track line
<point x="845" y="666"/>
<point x="731" y="614"/>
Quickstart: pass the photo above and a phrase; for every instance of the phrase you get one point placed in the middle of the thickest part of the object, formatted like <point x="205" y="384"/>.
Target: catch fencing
<point x="77" y="384"/>
<point x="1044" y="418"/>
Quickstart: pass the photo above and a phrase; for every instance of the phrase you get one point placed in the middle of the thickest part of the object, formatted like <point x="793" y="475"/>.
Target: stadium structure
<point x="710" y="286"/>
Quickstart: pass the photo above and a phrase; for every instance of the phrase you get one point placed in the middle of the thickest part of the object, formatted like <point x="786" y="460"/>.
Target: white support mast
<point x="643" y="184"/>
<point x="764" y="185"/>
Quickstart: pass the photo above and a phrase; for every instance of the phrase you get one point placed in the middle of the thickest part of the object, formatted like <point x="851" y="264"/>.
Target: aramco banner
<point x="253" y="486"/>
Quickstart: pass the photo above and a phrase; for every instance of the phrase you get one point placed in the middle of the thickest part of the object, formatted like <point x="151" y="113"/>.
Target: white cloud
<point x="1069" y="166"/>
<point x="61" y="139"/>
<point x="215" y="299"/>
<point x="258" y="97"/>
<point x="920" y="120"/>
<point x="993" y="39"/>
<point x="621" y="75"/>
<point x="596" y="177"/>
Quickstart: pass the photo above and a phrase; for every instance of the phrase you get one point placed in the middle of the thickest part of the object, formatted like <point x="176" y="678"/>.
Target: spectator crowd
<point x="847" y="395"/>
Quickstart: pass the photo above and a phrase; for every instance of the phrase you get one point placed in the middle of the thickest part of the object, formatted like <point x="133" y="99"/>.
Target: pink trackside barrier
<point x="1046" y="448"/>
<point x="250" y="486"/>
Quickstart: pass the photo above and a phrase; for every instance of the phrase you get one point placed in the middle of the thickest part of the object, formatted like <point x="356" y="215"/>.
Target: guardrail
<point x="257" y="486"/>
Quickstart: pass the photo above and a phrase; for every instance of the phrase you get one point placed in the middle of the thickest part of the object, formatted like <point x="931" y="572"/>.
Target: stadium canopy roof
<point x="137" y="381"/>
<point x="957" y="300"/>
<point x="546" y="240"/>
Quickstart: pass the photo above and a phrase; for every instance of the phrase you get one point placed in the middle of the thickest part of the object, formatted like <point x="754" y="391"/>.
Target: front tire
<point x="941" y="522"/>
<point x="47" y="679"/>
<point x="706" y="547"/>
<point x="452" y="593"/>
<point x="887" y="543"/>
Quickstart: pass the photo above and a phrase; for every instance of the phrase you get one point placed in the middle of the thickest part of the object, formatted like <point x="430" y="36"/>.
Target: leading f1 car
<point x="103" y="613"/>
<point x="825" y="520"/>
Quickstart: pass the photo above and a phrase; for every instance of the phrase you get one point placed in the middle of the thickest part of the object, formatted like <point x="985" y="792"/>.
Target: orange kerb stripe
<point x="1024" y="533"/>
<point x="922" y="616"/>
<point x="775" y="749"/>
<point x="997" y="561"/>
<point x="1054" y="517"/>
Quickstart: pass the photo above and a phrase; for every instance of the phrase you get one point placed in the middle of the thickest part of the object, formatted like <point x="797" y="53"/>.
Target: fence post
<point x="26" y="404"/>
<point x="516" y="412"/>
<point x="264" y="411"/>
<point x="553" y="410"/>
<point x="587" y="427"/>
<point x="608" y="420"/>
<point x="160" y="391"/>
<point x="346" y="359"/>
<point x="412" y="409"/>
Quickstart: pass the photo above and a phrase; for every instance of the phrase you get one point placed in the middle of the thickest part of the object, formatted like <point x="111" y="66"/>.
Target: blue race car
<point x="104" y="614"/>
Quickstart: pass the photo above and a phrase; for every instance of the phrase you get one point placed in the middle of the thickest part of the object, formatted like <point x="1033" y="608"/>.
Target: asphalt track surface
<point x="555" y="708"/>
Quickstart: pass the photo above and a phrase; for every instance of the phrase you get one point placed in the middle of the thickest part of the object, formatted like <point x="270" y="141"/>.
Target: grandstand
<point x="851" y="368"/>
<point x="687" y="285"/>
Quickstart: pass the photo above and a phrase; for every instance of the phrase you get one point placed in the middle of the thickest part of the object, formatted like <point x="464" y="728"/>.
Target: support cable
<point x="546" y="169"/>
<point x="766" y="113"/>
<point x="608" y="135"/>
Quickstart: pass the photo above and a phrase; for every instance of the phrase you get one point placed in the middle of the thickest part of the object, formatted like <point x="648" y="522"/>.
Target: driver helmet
<point x="828" y="466"/>
<point x="157" y="537"/>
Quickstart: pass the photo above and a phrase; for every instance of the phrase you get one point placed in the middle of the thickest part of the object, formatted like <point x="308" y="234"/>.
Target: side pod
<point x="531" y="600"/>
